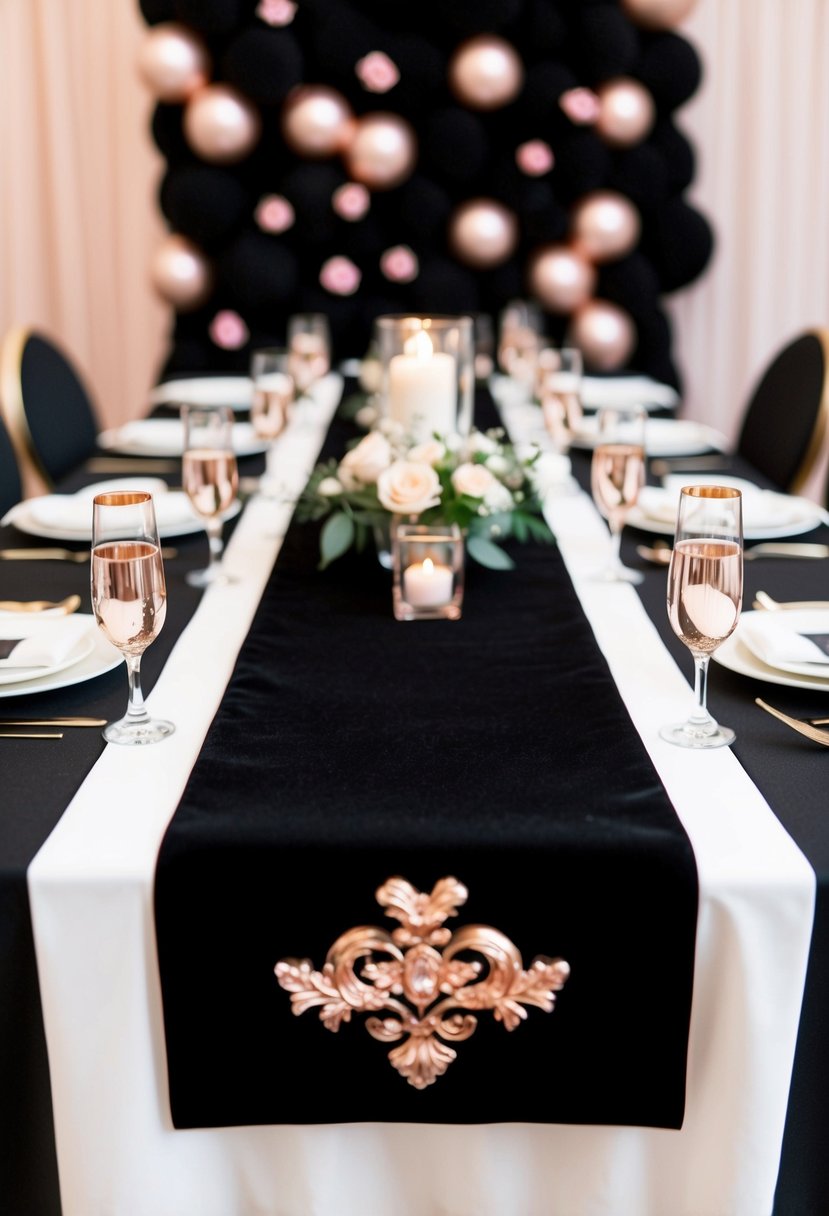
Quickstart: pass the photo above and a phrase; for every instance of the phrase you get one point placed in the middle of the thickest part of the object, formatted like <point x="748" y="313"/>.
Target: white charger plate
<point x="735" y="655"/>
<point x="663" y="436"/>
<point x="81" y="652"/>
<point x="233" y="391"/>
<point x="812" y="517"/>
<point x="165" y="437"/>
<point x="100" y="657"/>
<point x="21" y="516"/>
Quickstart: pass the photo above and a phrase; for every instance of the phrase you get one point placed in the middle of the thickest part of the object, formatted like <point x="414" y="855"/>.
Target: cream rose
<point x="431" y="452"/>
<point x="364" y="463"/>
<point x="475" y="480"/>
<point x="408" y="487"/>
<point x="330" y="487"/>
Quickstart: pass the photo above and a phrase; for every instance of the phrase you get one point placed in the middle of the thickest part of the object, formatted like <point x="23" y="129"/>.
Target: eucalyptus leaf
<point x="336" y="538"/>
<point x="488" y="554"/>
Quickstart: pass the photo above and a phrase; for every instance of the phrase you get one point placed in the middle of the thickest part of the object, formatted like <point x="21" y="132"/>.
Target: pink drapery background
<point x="79" y="219"/>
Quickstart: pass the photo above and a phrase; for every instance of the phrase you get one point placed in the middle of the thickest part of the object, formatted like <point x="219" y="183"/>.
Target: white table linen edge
<point x="91" y="893"/>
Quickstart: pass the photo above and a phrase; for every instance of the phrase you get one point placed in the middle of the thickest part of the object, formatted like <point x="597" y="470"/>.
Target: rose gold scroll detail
<point x="417" y="980"/>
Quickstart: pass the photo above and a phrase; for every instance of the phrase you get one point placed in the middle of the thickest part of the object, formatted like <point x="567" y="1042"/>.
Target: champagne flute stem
<point x="701" y="720"/>
<point x="214" y="540"/>
<point x="615" y="563"/>
<point x="136" y="709"/>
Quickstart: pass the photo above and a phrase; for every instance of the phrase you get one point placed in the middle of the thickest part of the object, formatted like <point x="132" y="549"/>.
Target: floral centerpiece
<point x="491" y="490"/>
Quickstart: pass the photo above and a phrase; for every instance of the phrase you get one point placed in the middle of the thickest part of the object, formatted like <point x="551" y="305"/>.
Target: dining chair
<point x="786" y="421"/>
<point x="46" y="407"/>
<point x="10" y="487"/>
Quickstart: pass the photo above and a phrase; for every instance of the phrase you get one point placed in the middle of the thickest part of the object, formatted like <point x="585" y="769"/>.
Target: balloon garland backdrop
<point x="357" y="157"/>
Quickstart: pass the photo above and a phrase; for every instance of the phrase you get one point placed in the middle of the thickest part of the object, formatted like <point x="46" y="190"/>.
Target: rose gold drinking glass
<point x="210" y="478"/>
<point x="129" y="598"/>
<point x="309" y="348"/>
<point x="616" y="476"/>
<point x="705" y="594"/>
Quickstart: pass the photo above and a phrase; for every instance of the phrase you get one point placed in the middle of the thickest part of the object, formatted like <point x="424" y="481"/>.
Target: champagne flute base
<point x="617" y="574"/>
<point x="211" y="576"/>
<point x="135" y="733"/>
<point x="687" y="734"/>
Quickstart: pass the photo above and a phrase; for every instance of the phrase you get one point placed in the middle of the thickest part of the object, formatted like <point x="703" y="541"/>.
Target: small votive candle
<point x="427" y="565"/>
<point x="426" y="585"/>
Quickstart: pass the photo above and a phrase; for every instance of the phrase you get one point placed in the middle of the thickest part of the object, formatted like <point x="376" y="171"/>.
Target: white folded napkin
<point x="783" y="638"/>
<point x="37" y="643"/>
<point x="73" y="512"/>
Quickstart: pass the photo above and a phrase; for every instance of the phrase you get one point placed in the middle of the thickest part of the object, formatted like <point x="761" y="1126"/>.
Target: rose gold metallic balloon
<point x="483" y="232"/>
<point x="561" y="278"/>
<point x="626" y="112"/>
<point x="180" y="273"/>
<point x="221" y="125"/>
<point x="606" y="225"/>
<point x="173" y="62"/>
<point x="316" y="121"/>
<point x="383" y="151"/>
<point x="604" y="333"/>
<point x="658" y="14"/>
<point x="486" y="72"/>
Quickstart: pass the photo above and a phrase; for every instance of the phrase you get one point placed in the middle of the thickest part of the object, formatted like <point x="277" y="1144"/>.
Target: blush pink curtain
<point x="79" y="218"/>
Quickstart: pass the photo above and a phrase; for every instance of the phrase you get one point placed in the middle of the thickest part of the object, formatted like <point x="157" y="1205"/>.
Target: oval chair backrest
<point x="48" y="411"/>
<point x="10" y="486"/>
<point x="786" y="419"/>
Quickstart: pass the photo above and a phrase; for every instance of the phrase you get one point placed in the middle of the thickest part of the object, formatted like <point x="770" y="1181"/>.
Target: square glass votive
<point x="427" y="374"/>
<point x="427" y="565"/>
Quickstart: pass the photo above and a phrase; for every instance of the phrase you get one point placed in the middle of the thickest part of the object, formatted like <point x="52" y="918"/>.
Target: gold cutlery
<point x="146" y="464"/>
<point x="802" y="728"/>
<point x="660" y="553"/>
<point x="53" y="721"/>
<point x="61" y="555"/>
<point x="64" y="607"/>
<point x="763" y="600"/>
<point x="18" y="734"/>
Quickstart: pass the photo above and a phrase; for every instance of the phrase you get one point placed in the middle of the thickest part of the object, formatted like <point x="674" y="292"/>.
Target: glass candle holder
<point x="427" y="374"/>
<point x="427" y="565"/>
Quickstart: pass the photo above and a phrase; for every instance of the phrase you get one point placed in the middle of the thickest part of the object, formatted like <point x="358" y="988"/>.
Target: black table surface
<point x="40" y="778"/>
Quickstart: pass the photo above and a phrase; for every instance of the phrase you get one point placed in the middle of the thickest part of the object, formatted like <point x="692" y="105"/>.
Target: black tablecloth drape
<point x="351" y="747"/>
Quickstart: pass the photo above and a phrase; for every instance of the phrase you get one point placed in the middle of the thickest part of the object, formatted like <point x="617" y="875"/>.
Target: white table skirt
<point x="91" y="893"/>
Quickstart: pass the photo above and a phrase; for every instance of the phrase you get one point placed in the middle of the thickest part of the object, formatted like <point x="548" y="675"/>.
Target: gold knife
<point x="19" y="734"/>
<point x="53" y="721"/>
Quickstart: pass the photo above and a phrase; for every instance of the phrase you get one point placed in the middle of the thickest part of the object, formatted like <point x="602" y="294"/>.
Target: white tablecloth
<point x="91" y="894"/>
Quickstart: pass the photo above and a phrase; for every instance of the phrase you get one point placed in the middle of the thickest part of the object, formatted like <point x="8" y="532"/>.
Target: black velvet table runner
<point x="351" y="747"/>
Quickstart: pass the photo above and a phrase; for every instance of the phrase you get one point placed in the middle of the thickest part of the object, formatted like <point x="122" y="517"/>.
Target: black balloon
<point x="670" y="70"/>
<point x="204" y="202"/>
<point x="263" y="63"/>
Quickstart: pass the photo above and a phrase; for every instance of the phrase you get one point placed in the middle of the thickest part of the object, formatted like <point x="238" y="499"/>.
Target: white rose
<point x="550" y="471"/>
<point x="371" y="375"/>
<point x="366" y="416"/>
<point x="431" y="452"/>
<point x="364" y="463"/>
<point x="478" y="442"/>
<point x="407" y="488"/>
<point x="498" y="498"/>
<point x="473" y="479"/>
<point x="498" y="464"/>
<point x="330" y="487"/>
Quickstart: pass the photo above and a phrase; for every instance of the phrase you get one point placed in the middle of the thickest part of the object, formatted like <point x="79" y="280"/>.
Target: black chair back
<point x="787" y="416"/>
<point x="47" y="408"/>
<point x="11" y="490"/>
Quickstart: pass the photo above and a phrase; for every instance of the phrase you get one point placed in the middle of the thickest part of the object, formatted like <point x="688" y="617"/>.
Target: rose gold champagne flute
<point x="705" y="594"/>
<point x="558" y="389"/>
<point x="309" y="348"/>
<point x="129" y="598"/>
<point x="210" y="478"/>
<point x="616" y="476"/>
<point x="273" y="396"/>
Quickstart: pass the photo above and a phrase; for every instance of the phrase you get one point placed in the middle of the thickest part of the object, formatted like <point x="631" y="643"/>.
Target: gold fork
<point x="803" y="728"/>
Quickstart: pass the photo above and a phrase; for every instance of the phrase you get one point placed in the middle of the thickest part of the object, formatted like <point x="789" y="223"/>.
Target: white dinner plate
<point x="735" y="655"/>
<point x="797" y="515"/>
<point x="102" y="657"/>
<point x="24" y="675"/>
<point x="596" y="391"/>
<point x="663" y="436"/>
<point x="165" y="437"/>
<point x="234" y="391"/>
<point x="22" y="517"/>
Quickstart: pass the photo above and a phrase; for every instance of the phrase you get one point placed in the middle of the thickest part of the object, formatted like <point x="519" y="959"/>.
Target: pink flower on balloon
<point x="376" y="72"/>
<point x="580" y="105"/>
<point x="535" y="158"/>
<point x="399" y="264"/>
<point x="351" y="201"/>
<point x="340" y="276"/>
<point x="276" y="12"/>
<point x="274" y="213"/>
<point x="228" y="330"/>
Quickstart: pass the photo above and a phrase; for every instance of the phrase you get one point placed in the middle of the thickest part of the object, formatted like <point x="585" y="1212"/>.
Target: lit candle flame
<point x="419" y="345"/>
<point x="428" y="566"/>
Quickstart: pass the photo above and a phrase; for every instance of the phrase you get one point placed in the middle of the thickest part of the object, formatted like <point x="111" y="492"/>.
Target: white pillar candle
<point x="423" y="391"/>
<point x="426" y="585"/>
